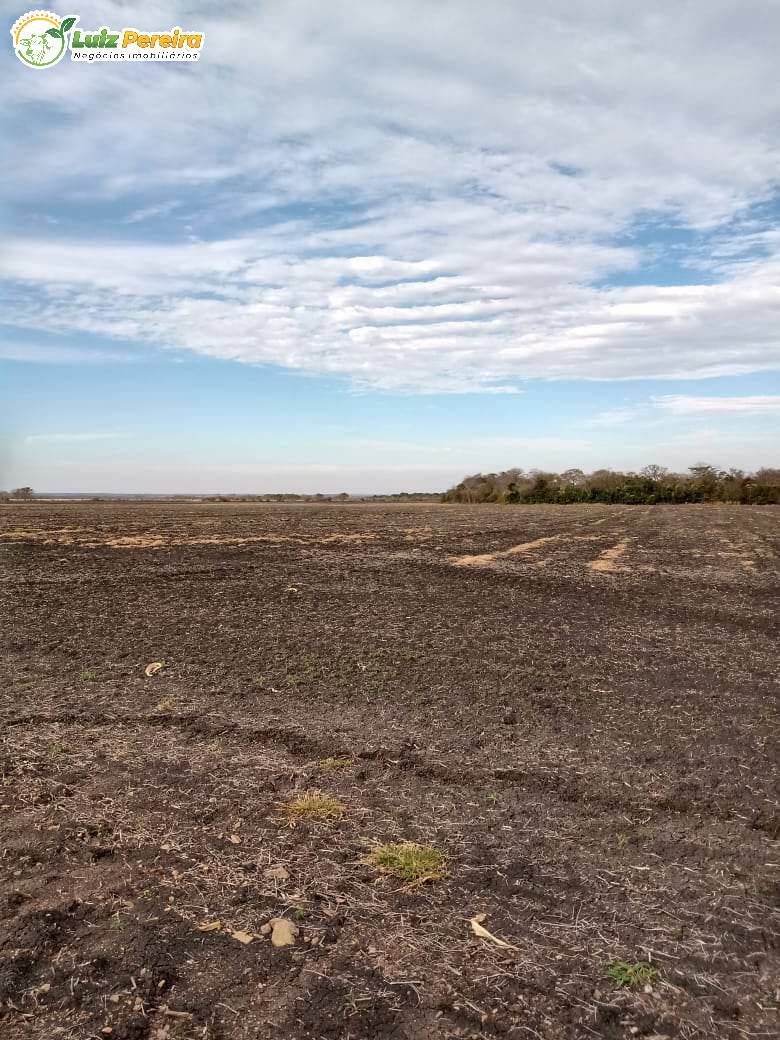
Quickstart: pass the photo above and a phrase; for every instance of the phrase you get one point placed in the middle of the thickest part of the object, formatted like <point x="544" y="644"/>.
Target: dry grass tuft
<point x="313" y="805"/>
<point x="409" y="861"/>
<point x="335" y="763"/>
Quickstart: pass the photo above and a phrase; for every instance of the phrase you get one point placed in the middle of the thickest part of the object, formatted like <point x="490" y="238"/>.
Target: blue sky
<point x="374" y="247"/>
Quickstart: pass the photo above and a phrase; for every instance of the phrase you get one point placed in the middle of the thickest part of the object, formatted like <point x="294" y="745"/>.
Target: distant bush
<point x="653" y="484"/>
<point x="320" y="499"/>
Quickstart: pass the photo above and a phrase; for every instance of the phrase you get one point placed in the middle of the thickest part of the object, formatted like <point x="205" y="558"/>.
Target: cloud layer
<point x="441" y="198"/>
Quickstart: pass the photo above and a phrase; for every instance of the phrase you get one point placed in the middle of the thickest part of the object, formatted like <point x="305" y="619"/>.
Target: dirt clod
<point x="283" y="932"/>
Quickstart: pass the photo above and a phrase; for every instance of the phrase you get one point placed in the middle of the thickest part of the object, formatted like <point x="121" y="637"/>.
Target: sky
<point x="372" y="247"/>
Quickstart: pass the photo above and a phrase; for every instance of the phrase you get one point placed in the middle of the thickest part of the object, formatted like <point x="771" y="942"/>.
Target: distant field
<point x="575" y="706"/>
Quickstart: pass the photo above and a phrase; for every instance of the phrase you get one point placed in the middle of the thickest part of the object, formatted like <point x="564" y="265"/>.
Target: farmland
<point x="574" y="707"/>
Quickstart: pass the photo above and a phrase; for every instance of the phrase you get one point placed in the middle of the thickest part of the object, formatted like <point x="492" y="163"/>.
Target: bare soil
<point x="576" y="705"/>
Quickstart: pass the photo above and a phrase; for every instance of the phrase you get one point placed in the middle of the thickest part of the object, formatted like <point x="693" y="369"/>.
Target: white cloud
<point x="33" y="438"/>
<point x="679" y="404"/>
<point x="657" y="411"/>
<point x="484" y="321"/>
<point x="58" y="353"/>
<point x="418" y="198"/>
<point x="148" y="212"/>
<point x="619" y="416"/>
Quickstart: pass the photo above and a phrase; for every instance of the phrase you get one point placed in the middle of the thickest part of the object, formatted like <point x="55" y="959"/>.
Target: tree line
<point x="652" y="484"/>
<point x="20" y="494"/>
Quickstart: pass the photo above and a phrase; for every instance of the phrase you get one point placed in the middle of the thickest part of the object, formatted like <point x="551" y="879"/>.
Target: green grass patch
<point x="628" y="975"/>
<point x="409" y="861"/>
